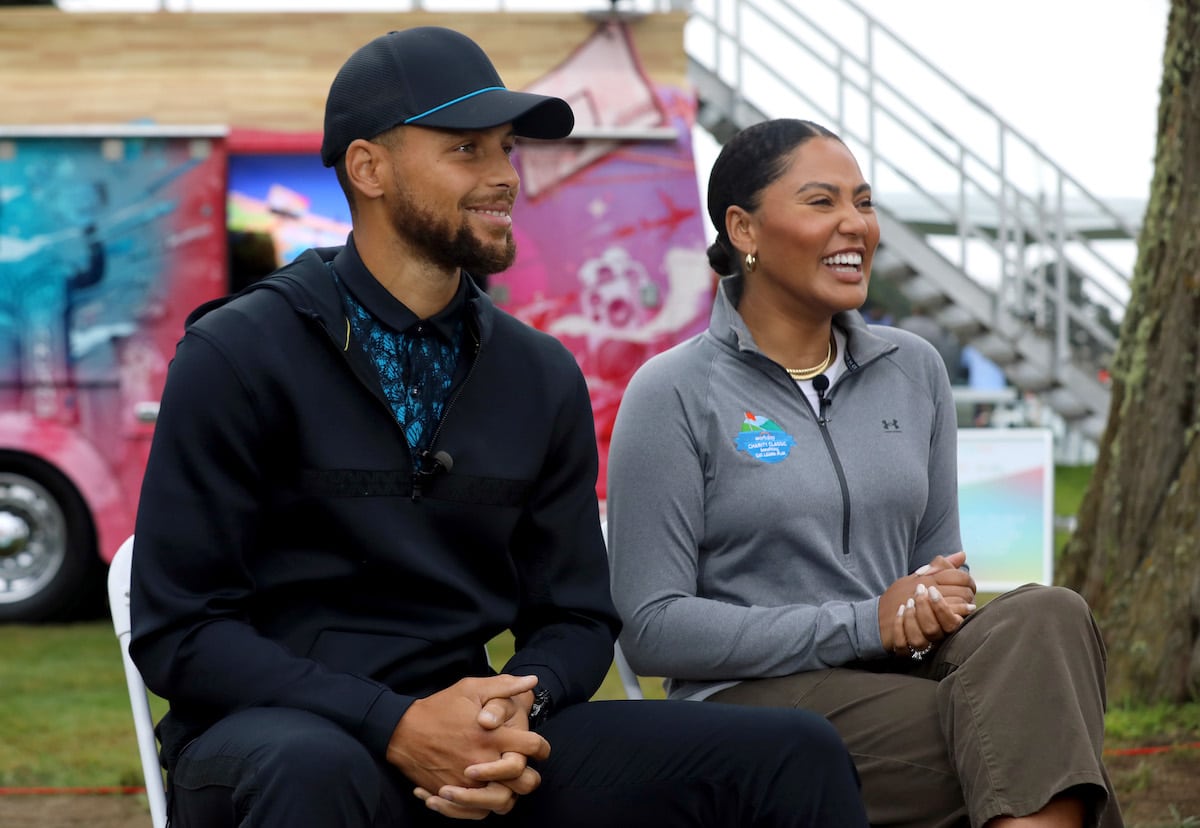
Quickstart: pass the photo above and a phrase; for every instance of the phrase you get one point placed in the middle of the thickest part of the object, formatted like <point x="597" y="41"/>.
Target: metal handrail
<point x="752" y="44"/>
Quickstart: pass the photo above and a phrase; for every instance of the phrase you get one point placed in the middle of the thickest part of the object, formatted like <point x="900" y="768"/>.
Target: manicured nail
<point x="900" y="611"/>
<point x="970" y="607"/>
<point x="934" y="594"/>
<point x="911" y="603"/>
<point x="921" y="590"/>
<point x="922" y="570"/>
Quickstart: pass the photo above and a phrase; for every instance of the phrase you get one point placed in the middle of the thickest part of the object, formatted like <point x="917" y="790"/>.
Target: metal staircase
<point x="979" y="226"/>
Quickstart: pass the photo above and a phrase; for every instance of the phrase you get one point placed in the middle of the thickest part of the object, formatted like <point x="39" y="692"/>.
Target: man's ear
<point x="365" y="163"/>
<point x="739" y="228"/>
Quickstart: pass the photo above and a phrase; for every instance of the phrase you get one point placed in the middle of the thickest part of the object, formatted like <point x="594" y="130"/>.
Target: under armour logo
<point x="891" y="425"/>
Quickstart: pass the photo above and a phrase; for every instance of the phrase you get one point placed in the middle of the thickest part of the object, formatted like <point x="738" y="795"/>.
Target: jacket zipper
<point x="823" y="424"/>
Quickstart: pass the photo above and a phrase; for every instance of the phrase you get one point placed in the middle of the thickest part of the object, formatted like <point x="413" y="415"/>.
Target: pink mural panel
<point x="610" y="235"/>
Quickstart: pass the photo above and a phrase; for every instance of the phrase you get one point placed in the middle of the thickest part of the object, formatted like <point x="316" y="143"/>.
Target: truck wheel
<point x="48" y="567"/>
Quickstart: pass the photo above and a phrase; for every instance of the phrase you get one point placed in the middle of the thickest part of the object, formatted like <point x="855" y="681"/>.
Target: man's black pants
<point x="613" y="764"/>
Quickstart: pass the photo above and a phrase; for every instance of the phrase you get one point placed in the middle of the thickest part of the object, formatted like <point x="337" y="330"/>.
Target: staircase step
<point x="1067" y="404"/>
<point x="958" y="321"/>
<point x="1029" y="376"/>
<point x="998" y="350"/>
<point x="924" y="293"/>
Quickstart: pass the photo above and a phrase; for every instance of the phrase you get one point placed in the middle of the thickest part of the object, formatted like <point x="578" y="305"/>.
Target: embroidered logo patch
<point x="764" y="440"/>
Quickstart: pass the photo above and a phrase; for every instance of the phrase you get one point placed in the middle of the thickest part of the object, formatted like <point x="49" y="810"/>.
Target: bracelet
<point x="917" y="655"/>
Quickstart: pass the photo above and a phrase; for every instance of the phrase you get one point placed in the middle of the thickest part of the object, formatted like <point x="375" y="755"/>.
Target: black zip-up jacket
<point x="290" y="553"/>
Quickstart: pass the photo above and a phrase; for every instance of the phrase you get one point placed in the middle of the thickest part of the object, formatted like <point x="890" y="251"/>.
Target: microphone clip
<point x="429" y="465"/>
<point x="821" y="385"/>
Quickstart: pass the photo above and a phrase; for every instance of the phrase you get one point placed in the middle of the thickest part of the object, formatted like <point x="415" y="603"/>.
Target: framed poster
<point x="1006" y="505"/>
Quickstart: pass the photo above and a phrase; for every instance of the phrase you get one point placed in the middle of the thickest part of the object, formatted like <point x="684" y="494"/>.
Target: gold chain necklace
<point x="802" y="374"/>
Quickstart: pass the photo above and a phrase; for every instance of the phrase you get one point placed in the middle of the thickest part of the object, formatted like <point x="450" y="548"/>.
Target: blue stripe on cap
<point x="452" y="103"/>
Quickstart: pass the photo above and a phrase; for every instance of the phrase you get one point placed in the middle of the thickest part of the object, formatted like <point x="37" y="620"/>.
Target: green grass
<point x="64" y="711"/>
<point x="1160" y="724"/>
<point x="501" y="648"/>
<point x="1070" y="485"/>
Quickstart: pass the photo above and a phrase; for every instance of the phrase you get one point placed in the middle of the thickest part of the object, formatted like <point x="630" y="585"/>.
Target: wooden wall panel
<point x="255" y="70"/>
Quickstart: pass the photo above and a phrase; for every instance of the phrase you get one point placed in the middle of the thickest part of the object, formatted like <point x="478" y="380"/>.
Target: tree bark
<point x="1136" y="553"/>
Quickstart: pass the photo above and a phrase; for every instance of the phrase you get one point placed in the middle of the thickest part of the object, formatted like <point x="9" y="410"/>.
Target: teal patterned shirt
<point x="416" y="365"/>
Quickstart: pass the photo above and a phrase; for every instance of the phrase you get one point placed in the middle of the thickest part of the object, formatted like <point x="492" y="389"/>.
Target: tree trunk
<point x="1136" y="553"/>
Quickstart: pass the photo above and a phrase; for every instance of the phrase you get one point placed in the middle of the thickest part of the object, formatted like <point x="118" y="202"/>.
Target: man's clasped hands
<point x="467" y="748"/>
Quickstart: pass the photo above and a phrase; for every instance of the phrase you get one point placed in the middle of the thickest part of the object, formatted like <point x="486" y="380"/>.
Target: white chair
<point x="118" y="603"/>
<point x="629" y="679"/>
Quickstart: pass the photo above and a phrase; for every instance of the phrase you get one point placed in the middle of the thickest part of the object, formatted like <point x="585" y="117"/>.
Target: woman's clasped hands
<point x="921" y="609"/>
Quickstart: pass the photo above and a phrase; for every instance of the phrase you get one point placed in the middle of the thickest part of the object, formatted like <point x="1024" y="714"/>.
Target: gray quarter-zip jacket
<point x="751" y="535"/>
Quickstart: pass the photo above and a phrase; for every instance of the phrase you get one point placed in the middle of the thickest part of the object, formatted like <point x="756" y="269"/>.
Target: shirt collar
<point x="373" y="296"/>
<point x="727" y="325"/>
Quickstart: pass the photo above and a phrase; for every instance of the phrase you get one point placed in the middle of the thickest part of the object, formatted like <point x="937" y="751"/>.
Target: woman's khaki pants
<point x="1002" y="716"/>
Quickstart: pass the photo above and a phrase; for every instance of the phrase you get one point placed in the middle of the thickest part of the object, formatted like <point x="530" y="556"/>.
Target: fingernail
<point x="934" y="594"/>
<point x="922" y="570"/>
<point x="901" y="610"/>
<point x="489" y="717"/>
<point x="911" y="603"/>
<point x="921" y="590"/>
<point x="970" y="607"/>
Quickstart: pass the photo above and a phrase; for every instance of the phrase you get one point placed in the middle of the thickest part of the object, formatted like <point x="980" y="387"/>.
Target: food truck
<point x="110" y="234"/>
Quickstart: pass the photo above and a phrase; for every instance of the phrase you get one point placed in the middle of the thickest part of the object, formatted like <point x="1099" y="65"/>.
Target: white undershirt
<point x="831" y="373"/>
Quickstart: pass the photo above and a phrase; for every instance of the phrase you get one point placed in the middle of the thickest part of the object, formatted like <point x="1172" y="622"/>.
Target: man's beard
<point x="446" y="246"/>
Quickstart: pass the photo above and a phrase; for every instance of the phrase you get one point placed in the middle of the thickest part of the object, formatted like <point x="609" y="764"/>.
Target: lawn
<point x="64" y="711"/>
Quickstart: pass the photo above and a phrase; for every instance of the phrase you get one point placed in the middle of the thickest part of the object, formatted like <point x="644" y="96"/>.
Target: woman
<point x="783" y="523"/>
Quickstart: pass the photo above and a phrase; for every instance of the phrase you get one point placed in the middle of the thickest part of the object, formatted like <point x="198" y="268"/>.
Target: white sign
<point x="1006" y="505"/>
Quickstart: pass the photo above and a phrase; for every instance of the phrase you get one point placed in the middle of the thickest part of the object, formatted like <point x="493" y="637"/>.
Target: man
<point x="362" y="472"/>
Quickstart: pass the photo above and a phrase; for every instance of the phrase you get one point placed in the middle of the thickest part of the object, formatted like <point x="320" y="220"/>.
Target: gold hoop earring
<point x="751" y="262"/>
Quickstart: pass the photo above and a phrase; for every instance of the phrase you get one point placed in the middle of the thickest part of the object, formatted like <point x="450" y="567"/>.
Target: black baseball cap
<point x="435" y="77"/>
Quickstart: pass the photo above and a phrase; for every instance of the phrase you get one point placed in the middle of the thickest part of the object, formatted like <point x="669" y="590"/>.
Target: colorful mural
<point x="95" y="237"/>
<point x="105" y="244"/>
<point x="610" y="234"/>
